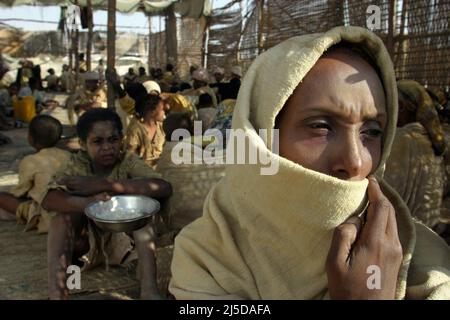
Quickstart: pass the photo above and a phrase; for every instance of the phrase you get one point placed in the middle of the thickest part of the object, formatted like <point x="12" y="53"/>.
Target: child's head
<point x="151" y="109"/>
<point x="204" y="101"/>
<point x="51" y="71"/>
<point x="177" y="120"/>
<point x="100" y="134"/>
<point x="44" y="132"/>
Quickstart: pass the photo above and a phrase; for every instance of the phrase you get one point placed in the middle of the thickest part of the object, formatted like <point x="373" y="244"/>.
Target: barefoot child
<point x="23" y="202"/>
<point x="99" y="170"/>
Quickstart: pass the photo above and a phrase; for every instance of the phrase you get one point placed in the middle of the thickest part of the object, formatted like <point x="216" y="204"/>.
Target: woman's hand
<point x="363" y="261"/>
<point x="85" y="186"/>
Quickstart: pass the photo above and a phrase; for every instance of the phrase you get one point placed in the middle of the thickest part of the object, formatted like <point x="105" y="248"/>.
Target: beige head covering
<point x="201" y="74"/>
<point x="152" y="86"/>
<point x="268" y="236"/>
<point x="236" y="70"/>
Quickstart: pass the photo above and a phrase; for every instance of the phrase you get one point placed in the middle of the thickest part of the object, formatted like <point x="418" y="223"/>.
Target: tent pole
<point x="90" y="33"/>
<point x="75" y="52"/>
<point x="149" y="43"/>
<point x="111" y="47"/>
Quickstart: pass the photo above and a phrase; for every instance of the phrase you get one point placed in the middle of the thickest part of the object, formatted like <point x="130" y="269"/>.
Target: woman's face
<point x="159" y="113"/>
<point x="334" y="121"/>
<point x="103" y="144"/>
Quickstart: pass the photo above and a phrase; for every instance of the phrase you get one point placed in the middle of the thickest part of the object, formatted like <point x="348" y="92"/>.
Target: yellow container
<point x="24" y="108"/>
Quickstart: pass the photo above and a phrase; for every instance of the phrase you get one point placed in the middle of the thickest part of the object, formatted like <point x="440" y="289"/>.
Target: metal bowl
<point x="123" y="213"/>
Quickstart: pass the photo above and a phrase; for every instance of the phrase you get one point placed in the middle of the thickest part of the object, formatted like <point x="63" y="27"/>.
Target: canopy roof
<point x="186" y="8"/>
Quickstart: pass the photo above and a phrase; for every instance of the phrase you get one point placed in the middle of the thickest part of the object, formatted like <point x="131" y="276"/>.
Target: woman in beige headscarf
<point x="299" y="233"/>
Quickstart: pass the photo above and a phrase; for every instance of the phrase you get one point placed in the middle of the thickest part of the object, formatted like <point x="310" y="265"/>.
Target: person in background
<point x="130" y="77"/>
<point x="170" y="76"/>
<point x="219" y="85"/>
<point x="24" y="73"/>
<point x="101" y="70"/>
<point x="200" y="85"/>
<point x="52" y="80"/>
<point x="33" y="90"/>
<point x="205" y="110"/>
<point x="23" y="201"/>
<point x="36" y="71"/>
<point x="231" y="89"/>
<point x="145" y="136"/>
<point x="143" y="76"/>
<point x="82" y="63"/>
<point x="90" y="95"/>
<point x="67" y="80"/>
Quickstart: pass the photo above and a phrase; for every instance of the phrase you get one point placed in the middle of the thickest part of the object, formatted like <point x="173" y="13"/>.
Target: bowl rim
<point x="146" y="215"/>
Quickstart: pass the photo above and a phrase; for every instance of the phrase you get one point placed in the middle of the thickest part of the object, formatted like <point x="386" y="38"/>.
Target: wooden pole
<point x="205" y="42"/>
<point x="160" y="44"/>
<point x="149" y="43"/>
<point x="111" y="43"/>
<point x="171" y="36"/>
<point x="75" y="52"/>
<point x="261" y="22"/>
<point x="90" y="33"/>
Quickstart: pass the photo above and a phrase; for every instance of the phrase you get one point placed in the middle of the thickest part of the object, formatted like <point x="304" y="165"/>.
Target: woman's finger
<point x="344" y="237"/>
<point x="377" y="213"/>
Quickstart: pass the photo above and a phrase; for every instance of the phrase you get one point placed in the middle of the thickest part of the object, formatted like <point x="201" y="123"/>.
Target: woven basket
<point x="191" y="184"/>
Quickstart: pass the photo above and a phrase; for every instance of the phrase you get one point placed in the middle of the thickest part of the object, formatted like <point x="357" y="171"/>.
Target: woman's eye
<point x="372" y="133"/>
<point x="320" y="126"/>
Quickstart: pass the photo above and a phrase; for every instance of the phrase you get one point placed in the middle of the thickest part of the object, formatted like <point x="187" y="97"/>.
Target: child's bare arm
<point x="151" y="187"/>
<point x="88" y="186"/>
<point x="63" y="202"/>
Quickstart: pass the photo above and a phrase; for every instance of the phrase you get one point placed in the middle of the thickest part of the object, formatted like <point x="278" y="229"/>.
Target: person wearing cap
<point x="126" y="102"/>
<point x="200" y="84"/>
<point x="88" y="96"/>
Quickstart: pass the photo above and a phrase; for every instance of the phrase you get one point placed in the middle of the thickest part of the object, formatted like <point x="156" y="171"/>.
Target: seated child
<point x="98" y="171"/>
<point x="23" y="202"/>
<point x="144" y="135"/>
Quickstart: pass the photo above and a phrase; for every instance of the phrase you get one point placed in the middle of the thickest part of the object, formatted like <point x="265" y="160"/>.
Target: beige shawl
<point x="268" y="236"/>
